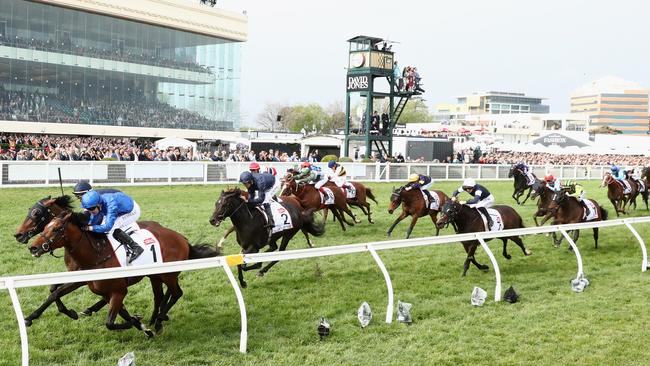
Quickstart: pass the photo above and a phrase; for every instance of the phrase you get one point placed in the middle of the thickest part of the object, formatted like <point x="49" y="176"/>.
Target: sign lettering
<point x="355" y="83"/>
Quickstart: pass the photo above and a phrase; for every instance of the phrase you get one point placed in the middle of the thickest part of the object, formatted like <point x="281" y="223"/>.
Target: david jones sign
<point x="360" y="82"/>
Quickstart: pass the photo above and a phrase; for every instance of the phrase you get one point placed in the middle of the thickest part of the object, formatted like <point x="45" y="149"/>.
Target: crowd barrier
<point x="116" y="173"/>
<point x="15" y="282"/>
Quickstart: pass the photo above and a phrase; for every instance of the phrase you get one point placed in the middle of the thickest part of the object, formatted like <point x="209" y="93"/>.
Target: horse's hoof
<point x="28" y="322"/>
<point x="244" y="285"/>
<point x="528" y="252"/>
<point x="72" y="314"/>
<point x="507" y="256"/>
<point x="159" y="328"/>
<point x="260" y="274"/>
<point x="371" y="221"/>
<point x="485" y="268"/>
<point x="149" y="333"/>
<point x="87" y="312"/>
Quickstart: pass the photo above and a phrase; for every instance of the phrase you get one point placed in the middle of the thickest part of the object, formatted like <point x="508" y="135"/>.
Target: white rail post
<point x="24" y="345"/>
<point x="387" y="172"/>
<point x="447" y="172"/>
<point x="243" y="336"/>
<point x="169" y="173"/>
<point x="644" y="262"/>
<point x="389" y="283"/>
<point x="377" y="172"/>
<point x="575" y="250"/>
<point x="497" y="271"/>
<point x="133" y="167"/>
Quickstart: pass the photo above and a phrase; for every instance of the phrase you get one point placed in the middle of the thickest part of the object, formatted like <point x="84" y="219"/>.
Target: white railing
<point x="14" y="282"/>
<point x="116" y="173"/>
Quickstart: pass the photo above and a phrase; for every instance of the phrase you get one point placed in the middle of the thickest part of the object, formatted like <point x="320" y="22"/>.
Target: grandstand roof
<point x="608" y="84"/>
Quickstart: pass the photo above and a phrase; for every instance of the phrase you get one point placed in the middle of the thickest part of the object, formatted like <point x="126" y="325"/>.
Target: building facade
<point x="492" y="102"/>
<point x="615" y="103"/>
<point x="146" y="63"/>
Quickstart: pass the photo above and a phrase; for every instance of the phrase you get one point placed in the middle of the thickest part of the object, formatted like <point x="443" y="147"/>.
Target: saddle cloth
<point x="281" y="217"/>
<point x="328" y="199"/>
<point x="435" y="205"/>
<point x="145" y="239"/>
<point x="591" y="212"/>
<point x="350" y="192"/>
<point x="642" y="186"/>
<point x="626" y="186"/>
<point x="497" y="221"/>
<point x="531" y="179"/>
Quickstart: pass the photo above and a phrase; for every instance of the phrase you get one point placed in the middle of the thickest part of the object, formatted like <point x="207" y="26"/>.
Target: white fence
<point x="115" y="173"/>
<point x="12" y="283"/>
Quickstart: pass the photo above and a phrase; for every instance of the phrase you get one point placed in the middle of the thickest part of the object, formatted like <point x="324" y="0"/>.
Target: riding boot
<point x="484" y="211"/>
<point x="269" y="214"/>
<point x="429" y="196"/>
<point x="133" y="250"/>
<point x="322" y="190"/>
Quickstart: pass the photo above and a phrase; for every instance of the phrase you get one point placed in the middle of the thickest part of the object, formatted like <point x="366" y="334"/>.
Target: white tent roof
<point x="175" y="142"/>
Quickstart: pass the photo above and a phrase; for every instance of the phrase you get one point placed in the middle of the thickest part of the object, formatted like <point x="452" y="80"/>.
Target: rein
<point x="41" y="219"/>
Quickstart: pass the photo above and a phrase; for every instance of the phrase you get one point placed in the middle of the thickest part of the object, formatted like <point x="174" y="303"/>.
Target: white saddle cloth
<point x="435" y="205"/>
<point x="281" y="217"/>
<point x="497" y="221"/>
<point x="592" y="212"/>
<point x="326" y="199"/>
<point x="152" y="253"/>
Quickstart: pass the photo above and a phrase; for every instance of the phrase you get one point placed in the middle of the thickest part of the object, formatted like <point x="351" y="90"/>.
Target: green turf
<point x="551" y="325"/>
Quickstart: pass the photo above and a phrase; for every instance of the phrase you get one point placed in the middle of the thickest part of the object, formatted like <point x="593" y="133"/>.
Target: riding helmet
<point x="254" y="166"/>
<point x="82" y="187"/>
<point x="305" y="164"/>
<point x="246" y="177"/>
<point x="469" y="182"/>
<point x="414" y="177"/>
<point x="331" y="164"/>
<point x="549" y="178"/>
<point x="90" y="199"/>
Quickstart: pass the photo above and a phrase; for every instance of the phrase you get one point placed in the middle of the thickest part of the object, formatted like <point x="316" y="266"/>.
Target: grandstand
<point x="169" y="65"/>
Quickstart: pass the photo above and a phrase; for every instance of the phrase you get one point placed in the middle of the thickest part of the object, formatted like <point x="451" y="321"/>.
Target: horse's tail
<point x="202" y="251"/>
<point x="309" y="223"/>
<point x="371" y="195"/>
<point x="603" y="213"/>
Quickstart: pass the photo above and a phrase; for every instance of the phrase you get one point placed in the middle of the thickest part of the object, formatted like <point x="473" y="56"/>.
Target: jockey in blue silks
<point x="118" y="211"/>
<point x="260" y="191"/>
<point x="522" y="166"/>
<point x="618" y="173"/>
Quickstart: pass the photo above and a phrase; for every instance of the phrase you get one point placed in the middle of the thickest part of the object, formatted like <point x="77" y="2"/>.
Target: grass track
<point x="550" y="326"/>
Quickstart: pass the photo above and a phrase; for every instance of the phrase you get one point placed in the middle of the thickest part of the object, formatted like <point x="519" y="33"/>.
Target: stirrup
<point x="134" y="253"/>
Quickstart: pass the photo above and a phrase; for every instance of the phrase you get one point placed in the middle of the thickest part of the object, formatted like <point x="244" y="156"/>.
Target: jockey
<point x="119" y="211"/>
<point x="260" y="188"/>
<point x="572" y="189"/>
<point x="523" y="167"/>
<point x="423" y="182"/>
<point x="311" y="174"/>
<point x="482" y="197"/>
<point x="618" y="173"/>
<point x="337" y="174"/>
<point x="255" y="168"/>
<point x="83" y="186"/>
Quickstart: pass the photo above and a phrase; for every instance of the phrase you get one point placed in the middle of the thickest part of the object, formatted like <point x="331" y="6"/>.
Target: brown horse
<point x="615" y="192"/>
<point x="469" y="220"/>
<point x="361" y="198"/>
<point x="567" y="210"/>
<point x="309" y="198"/>
<point x="641" y="189"/>
<point x="39" y="215"/>
<point x="545" y="195"/>
<point x="64" y="231"/>
<point x="413" y="205"/>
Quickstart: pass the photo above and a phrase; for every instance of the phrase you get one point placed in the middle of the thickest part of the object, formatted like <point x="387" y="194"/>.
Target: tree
<point x="267" y="119"/>
<point x="336" y="117"/>
<point x="310" y="117"/>
<point x="415" y="112"/>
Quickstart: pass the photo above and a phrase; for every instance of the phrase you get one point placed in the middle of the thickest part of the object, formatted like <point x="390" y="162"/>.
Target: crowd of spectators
<point x="109" y="52"/>
<point x="409" y="80"/>
<point x="134" y="112"/>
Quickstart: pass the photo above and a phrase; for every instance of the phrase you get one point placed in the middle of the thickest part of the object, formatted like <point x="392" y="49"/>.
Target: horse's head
<point x="608" y="179"/>
<point x="289" y="185"/>
<point x="511" y="172"/>
<point x="40" y="215"/>
<point x="449" y="211"/>
<point x="395" y="199"/>
<point x="229" y="201"/>
<point x="52" y="237"/>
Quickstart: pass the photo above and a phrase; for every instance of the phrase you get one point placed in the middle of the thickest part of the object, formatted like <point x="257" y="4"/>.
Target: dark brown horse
<point x="545" y="194"/>
<point x="641" y="189"/>
<point x="64" y="231"/>
<point x="615" y="192"/>
<point x="252" y="235"/>
<point x="469" y="220"/>
<point x="413" y="205"/>
<point x="567" y="210"/>
<point x="520" y="184"/>
<point x="39" y="215"/>
<point x="361" y="198"/>
<point x="309" y="198"/>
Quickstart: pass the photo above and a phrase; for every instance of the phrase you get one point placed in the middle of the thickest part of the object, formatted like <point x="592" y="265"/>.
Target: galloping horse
<point x="309" y="198"/>
<point x="413" y="205"/>
<point x="89" y="253"/>
<point x="38" y="216"/>
<point x="469" y="220"/>
<point x="251" y="233"/>
<point x="360" y="200"/>
<point x="615" y="192"/>
<point x="520" y="184"/>
<point x="567" y="210"/>
<point x="640" y="190"/>
<point x="545" y="197"/>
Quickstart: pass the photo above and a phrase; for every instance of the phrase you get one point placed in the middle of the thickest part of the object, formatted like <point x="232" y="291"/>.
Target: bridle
<point x="223" y="216"/>
<point x="59" y="234"/>
<point x="40" y="215"/>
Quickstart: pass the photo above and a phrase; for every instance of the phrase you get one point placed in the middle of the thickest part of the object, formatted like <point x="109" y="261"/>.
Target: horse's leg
<point x="116" y="305"/>
<point x="272" y="246"/>
<point x="397" y="220"/>
<point x="557" y="240"/>
<point x="520" y="243"/>
<point x="505" y="250"/>
<point x="58" y="291"/>
<point x="283" y="247"/>
<point x="527" y="196"/>
<point x="347" y="210"/>
<point x="467" y="259"/>
<point x="596" y="238"/>
<point x="306" y="234"/>
<point x="414" y="220"/>
<point x="434" y="219"/>
<point x="94" y="308"/>
<point x="472" y="251"/>
<point x="240" y="276"/>
<point x="615" y="204"/>
<point x="337" y="214"/>
<point x="173" y="287"/>
<point x="325" y="210"/>
<point x="225" y="235"/>
<point x="158" y="295"/>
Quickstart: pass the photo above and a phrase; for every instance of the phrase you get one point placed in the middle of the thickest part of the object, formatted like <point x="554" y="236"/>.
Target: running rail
<point x="14" y="282"/>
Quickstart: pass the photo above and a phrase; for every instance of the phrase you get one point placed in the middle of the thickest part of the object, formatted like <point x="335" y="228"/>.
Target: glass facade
<point x="63" y="65"/>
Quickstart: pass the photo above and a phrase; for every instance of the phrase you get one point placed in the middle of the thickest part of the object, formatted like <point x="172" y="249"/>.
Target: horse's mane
<point x="65" y="202"/>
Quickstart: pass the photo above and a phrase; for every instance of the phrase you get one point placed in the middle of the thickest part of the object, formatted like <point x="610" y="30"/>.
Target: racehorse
<point x="39" y="215"/>
<point x="469" y="220"/>
<point x="567" y="210"/>
<point x="360" y="200"/>
<point x="89" y="252"/>
<point x="640" y="190"/>
<point x="413" y="205"/>
<point x="545" y="195"/>
<point x="520" y="184"/>
<point x="309" y="198"/>
<point x="252" y="235"/>
<point x="615" y="193"/>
